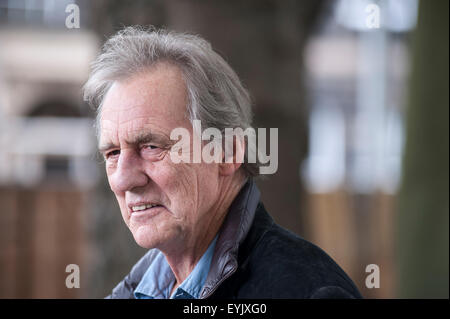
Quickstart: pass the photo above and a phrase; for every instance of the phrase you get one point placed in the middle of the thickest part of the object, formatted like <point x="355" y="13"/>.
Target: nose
<point x="128" y="174"/>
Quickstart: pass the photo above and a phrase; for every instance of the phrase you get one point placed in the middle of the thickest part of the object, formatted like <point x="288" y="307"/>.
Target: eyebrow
<point x="141" y="138"/>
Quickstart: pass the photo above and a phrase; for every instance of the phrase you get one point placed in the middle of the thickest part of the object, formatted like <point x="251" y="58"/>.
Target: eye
<point x="112" y="153"/>
<point x="151" y="151"/>
<point x="151" y="147"/>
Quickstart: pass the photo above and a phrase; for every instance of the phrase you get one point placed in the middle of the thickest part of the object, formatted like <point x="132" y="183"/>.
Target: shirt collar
<point x="159" y="279"/>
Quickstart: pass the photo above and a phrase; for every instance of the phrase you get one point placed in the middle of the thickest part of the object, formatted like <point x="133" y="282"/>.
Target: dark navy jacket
<point x="256" y="258"/>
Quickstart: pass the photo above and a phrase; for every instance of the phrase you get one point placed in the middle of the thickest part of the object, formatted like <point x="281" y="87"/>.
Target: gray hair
<point x="216" y="96"/>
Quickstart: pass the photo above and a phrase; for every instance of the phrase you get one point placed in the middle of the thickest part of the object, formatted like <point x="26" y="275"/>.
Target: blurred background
<point x="357" y="89"/>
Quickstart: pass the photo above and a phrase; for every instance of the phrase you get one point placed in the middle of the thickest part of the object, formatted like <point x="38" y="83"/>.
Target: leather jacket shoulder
<point x="275" y="263"/>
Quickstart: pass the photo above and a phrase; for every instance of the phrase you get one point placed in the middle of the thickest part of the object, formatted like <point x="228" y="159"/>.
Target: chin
<point x="145" y="238"/>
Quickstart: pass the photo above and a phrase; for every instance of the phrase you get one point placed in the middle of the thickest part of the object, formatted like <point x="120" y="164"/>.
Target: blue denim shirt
<point x="158" y="280"/>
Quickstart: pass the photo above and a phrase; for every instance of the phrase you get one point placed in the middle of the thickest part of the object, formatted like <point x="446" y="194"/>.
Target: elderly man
<point x="207" y="232"/>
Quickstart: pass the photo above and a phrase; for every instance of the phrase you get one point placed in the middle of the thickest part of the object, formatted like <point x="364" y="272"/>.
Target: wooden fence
<point x="356" y="230"/>
<point x="41" y="232"/>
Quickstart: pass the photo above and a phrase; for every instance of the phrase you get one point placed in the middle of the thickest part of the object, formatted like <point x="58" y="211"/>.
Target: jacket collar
<point x="234" y="229"/>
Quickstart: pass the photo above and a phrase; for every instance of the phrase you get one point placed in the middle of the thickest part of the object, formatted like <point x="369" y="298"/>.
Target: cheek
<point x="179" y="183"/>
<point x="123" y="209"/>
<point x="197" y="186"/>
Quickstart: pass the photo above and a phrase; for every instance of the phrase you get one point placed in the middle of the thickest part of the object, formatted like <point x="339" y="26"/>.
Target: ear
<point x="231" y="162"/>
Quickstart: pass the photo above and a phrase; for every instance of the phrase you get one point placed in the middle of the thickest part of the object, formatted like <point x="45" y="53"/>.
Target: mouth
<point x="144" y="209"/>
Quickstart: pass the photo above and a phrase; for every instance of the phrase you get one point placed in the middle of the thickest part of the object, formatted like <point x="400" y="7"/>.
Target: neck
<point x="184" y="259"/>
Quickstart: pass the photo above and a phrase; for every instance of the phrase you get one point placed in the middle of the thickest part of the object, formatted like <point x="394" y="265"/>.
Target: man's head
<point x="145" y="84"/>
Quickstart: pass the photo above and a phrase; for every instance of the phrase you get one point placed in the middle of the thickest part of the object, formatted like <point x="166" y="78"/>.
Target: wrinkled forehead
<point x="157" y="96"/>
<point x="160" y="88"/>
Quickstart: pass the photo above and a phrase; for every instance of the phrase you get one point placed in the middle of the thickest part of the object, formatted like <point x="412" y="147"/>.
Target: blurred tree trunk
<point x="423" y="242"/>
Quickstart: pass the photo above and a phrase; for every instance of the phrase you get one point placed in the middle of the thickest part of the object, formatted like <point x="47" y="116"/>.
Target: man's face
<point x="137" y="117"/>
